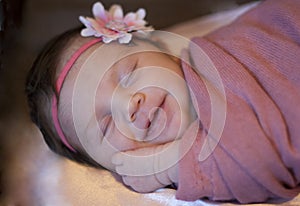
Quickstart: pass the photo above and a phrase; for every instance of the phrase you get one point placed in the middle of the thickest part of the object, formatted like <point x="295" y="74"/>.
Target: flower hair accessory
<point x="113" y="25"/>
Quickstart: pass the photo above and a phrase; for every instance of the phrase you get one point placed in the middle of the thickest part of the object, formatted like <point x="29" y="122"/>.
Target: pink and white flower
<point x="113" y="25"/>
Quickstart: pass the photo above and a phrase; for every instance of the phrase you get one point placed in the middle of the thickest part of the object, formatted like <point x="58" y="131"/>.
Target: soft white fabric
<point x="33" y="175"/>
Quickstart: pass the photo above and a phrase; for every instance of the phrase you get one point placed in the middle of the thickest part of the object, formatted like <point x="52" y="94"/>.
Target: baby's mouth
<point x="157" y="121"/>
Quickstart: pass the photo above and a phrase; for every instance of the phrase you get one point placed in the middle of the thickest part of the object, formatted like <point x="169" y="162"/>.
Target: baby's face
<point x="128" y="97"/>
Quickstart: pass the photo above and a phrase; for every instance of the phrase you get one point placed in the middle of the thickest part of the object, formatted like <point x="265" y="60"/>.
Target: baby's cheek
<point x="122" y="143"/>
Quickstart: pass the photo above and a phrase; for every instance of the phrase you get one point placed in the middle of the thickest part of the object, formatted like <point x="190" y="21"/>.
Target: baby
<point x="218" y="122"/>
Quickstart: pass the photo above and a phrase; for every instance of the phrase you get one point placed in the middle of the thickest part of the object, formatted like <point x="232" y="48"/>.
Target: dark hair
<point x="40" y="89"/>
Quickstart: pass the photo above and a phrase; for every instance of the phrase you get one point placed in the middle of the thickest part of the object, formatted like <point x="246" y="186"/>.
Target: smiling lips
<point x="157" y="121"/>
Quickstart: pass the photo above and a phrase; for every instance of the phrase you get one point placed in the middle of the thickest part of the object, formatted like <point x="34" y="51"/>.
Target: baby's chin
<point x="179" y="120"/>
<point x="173" y="130"/>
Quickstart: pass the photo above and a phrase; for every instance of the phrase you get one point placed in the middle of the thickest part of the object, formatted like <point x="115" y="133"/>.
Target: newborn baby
<point x="220" y="121"/>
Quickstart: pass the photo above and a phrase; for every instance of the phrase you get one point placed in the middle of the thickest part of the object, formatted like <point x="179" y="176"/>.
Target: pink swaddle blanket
<point x="258" y="155"/>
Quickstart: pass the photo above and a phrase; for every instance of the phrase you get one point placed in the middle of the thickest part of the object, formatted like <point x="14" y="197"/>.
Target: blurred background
<point x="26" y="25"/>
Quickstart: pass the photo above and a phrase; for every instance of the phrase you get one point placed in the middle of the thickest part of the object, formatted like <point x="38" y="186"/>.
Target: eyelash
<point x="127" y="75"/>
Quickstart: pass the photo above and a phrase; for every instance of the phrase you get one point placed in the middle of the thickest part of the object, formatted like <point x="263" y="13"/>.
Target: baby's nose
<point x="136" y="102"/>
<point x="136" y="113"/>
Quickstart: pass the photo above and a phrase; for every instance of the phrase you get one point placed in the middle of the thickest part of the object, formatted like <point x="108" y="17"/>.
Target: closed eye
<point x="126" y="79"/>
<point x="128" y="74"/>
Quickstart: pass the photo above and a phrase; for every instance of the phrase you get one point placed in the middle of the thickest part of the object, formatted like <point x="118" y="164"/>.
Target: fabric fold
<point x="258" y="154"/>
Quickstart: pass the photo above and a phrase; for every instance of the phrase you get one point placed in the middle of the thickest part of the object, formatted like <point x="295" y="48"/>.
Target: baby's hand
<point x="143" y="184"/>
<point x="150" y="168"/>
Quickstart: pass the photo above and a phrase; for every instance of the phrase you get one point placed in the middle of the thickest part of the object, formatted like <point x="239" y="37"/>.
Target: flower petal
<point x="130" y="17"/>
<point x="99" y="11"/>
<point x="139" y="23"/>
<point x="125" y="39"/>
<point x="107" y="40"/>
<point x="116" y="12"/>
<point x="84" y="21"/>
<point x="87" y="32"/>
<point x="141" y="13"/>
<point x="95" y="24"/>
<point x="98" y="35"/>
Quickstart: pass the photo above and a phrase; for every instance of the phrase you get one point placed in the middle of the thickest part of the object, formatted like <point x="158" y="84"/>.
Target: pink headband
<point x="59" y="83"/>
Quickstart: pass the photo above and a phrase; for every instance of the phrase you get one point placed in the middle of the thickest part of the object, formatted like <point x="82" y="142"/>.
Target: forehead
<point x="108" y="54"/>
<point x="101" y="57"/>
